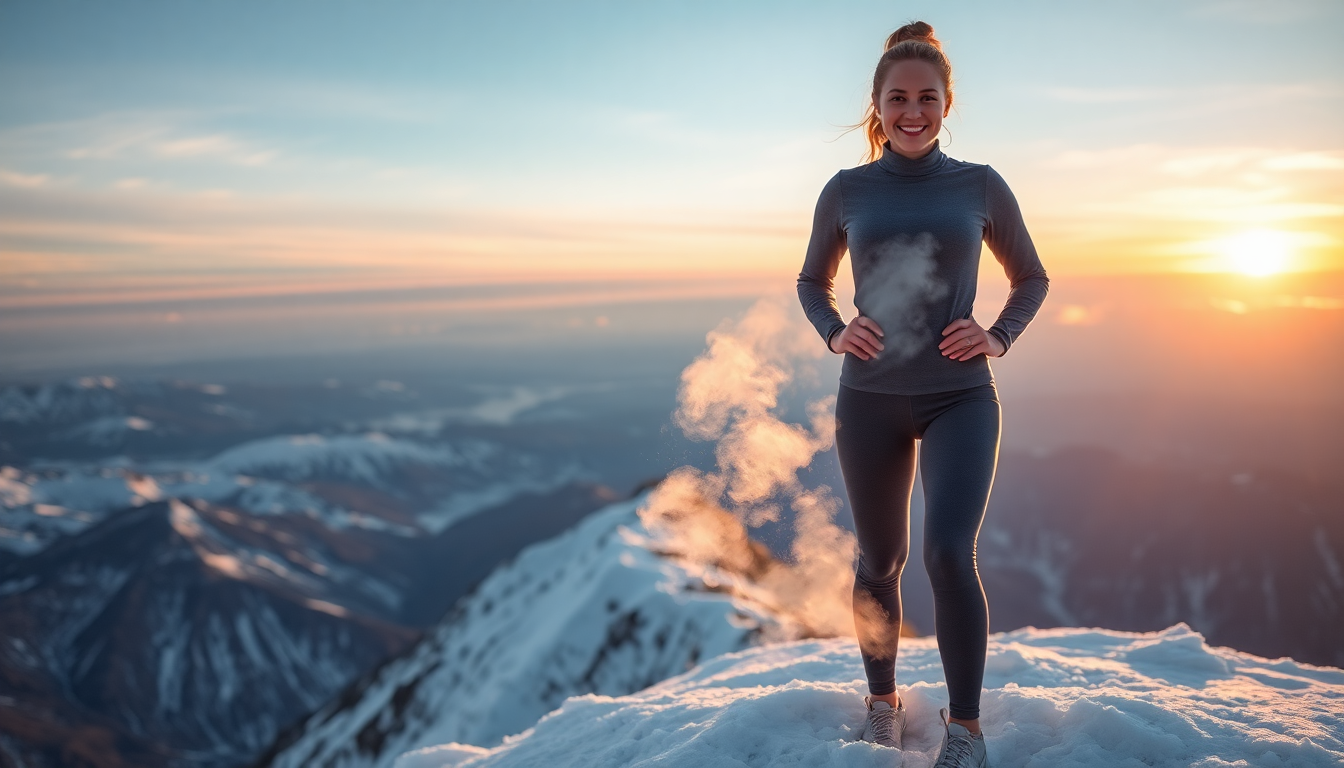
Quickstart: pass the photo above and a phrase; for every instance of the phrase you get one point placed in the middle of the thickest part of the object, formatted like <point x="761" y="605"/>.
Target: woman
<point x="916" y="368"/>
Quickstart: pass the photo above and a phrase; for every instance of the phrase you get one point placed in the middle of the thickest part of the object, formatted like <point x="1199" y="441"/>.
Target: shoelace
<point x="957" y="752"/>
<point x="884" y="720"/>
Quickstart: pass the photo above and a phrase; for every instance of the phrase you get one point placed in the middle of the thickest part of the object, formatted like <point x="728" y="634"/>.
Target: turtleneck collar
<point x="903" y="166"/>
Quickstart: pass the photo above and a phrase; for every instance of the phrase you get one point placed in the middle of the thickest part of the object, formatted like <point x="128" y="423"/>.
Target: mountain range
<point x="199" y="575"/>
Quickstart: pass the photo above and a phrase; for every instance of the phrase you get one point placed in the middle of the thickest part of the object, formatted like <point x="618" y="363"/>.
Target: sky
<point x="153" y="150"/>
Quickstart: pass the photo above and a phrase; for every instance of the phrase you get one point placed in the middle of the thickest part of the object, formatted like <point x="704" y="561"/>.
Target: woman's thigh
<point x="875" y="440"/>
<point x="958" y="458"/>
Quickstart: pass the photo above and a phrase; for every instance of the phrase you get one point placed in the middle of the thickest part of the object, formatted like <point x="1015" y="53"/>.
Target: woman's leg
<point x="875" y="440"/>
<point x="958" y="458"/>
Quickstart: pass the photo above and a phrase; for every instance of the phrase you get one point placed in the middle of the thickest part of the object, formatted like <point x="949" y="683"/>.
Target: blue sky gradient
<point x="223" y="146"/>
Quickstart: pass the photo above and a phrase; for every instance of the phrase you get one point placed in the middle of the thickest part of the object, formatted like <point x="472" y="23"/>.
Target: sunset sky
<point x="170" y="150"/>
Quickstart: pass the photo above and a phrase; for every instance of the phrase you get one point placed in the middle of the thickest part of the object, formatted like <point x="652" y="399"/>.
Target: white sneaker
<point x="961" y="748"/>
<point x="885" y="726"/>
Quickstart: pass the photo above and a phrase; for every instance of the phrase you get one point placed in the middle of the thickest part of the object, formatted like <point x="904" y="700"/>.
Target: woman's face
<point x="912" y="102"/>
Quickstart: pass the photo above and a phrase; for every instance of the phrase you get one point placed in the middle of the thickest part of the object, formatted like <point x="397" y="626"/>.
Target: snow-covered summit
<point x="1060" y="697"/>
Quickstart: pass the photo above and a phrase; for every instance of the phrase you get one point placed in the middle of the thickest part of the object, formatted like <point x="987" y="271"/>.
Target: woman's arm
<point x="816" y="283"/>
<point x="1007" y="238"/>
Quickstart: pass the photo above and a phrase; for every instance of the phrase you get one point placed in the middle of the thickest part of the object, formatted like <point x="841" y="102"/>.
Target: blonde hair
<point x="912" y="41"/>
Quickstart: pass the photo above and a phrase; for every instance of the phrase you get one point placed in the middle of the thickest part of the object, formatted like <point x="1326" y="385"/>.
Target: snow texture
<point x="593" y="610"/>
<point x="1059" y="698"/>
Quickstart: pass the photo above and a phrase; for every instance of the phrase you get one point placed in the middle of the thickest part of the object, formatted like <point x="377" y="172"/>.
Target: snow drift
<point x="1060" y="697"/>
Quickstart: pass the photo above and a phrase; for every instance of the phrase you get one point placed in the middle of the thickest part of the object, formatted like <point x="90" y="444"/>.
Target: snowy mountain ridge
<point x="189" y="626"/>
<point x="596" y="610"/>
<point x="429" y="487"/>
<point x="84" y="397"/>
<point x="197" y="631"/>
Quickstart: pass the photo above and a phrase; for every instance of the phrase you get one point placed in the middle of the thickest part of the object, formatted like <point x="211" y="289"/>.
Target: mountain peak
<point x="1060" y="697"/>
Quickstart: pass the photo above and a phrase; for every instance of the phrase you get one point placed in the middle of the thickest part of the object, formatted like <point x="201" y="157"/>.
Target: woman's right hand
<point x="861" y="337"/>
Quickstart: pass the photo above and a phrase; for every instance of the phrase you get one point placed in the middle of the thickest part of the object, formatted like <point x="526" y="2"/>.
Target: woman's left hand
<point x="964" y="339"/>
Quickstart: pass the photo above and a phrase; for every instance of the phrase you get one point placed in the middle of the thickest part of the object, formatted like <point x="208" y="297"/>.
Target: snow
<point x="461" y="505"/>
<point x="592" y="610"/>
<point x="367" y="458"/>
<point x="1058" y="697"/>
<point x="51" y="499"/>
<point x="434" y="483"/>
<point x="311" y="574"/>
<point x="498" y="409"/>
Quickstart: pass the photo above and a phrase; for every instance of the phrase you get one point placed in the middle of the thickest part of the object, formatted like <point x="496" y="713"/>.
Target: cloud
<point x="29" y="180"/>
<point x="1189" y="163"/>
<point x="1305" y="161"/>
<point x="1309" y="302"/>
<point x="1281" y="301"/>
<point x="137" y="136"/>
<point x="1110" y="157"/>
<point x="1226" y="204"/>
<point x="219" y="146"/>
<point x="1219" y="185"/>
<point x="1200" y="163"/>
<point x="1233" y="306"/>
<point x="64" y="234"/>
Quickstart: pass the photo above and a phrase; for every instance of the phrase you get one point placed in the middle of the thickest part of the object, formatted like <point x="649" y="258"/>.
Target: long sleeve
<point x="1007" y="238"/>
<point x="825" y="249"/>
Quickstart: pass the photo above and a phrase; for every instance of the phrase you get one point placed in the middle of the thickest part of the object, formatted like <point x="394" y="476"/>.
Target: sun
<point x="1257" y="252"/>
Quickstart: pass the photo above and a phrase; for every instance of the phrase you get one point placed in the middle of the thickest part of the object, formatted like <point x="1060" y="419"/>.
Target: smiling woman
<point x="916" y="385"/>
<point x="926" y="80"/>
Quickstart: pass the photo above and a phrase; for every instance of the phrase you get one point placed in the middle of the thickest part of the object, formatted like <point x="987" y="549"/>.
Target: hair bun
<point x="915" y="30"/>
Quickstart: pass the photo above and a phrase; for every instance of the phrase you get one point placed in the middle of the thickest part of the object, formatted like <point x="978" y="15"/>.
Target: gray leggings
<point x="875" y="438"/>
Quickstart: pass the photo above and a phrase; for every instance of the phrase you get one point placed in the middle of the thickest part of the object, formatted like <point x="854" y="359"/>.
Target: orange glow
<point x="568" y="288"/>
<point x="1079" y="314"/>
<point x="1129" y="210"/>
<point x="1258" y="252"/>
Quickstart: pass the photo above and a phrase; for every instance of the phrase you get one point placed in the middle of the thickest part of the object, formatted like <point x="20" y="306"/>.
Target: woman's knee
<point x="950" y="566"/>
<point x="881" y="571"/>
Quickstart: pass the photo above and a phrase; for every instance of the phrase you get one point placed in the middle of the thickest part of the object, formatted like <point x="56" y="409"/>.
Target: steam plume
<point x="899" y="281"/>
<point x="730" y="394"/>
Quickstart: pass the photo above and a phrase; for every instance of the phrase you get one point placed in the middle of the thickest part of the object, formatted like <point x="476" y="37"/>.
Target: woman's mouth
<point x="912" y="130"/>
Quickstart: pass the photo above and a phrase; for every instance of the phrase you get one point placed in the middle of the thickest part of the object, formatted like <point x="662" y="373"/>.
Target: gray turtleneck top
<point x="913" y="229"/>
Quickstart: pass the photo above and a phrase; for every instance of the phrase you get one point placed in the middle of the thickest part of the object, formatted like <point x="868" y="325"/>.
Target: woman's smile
<point x="912" y="102"/>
